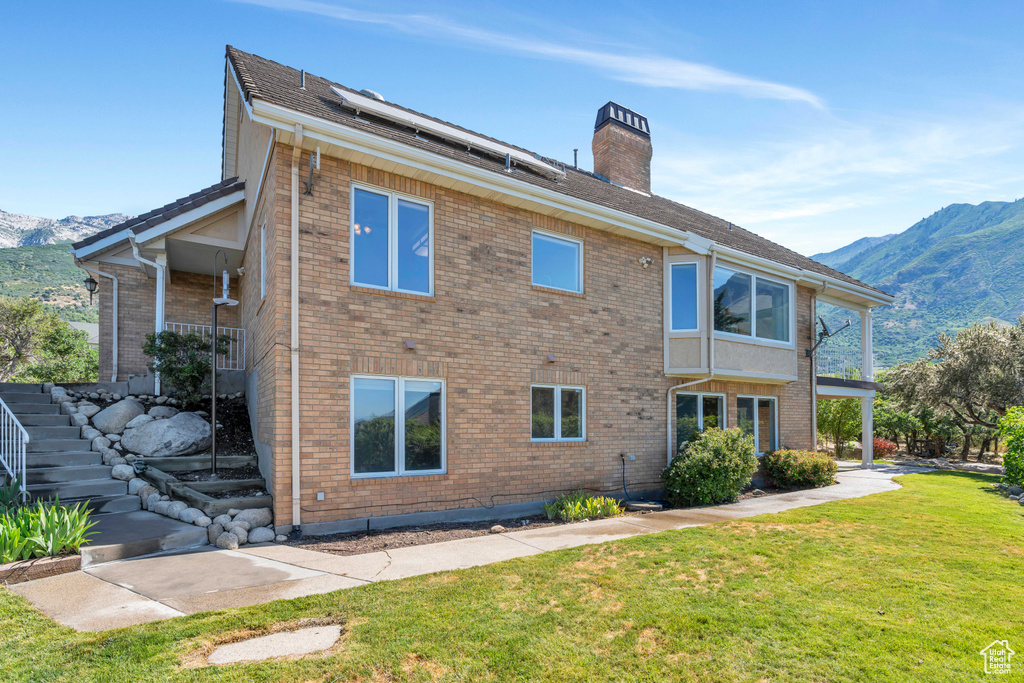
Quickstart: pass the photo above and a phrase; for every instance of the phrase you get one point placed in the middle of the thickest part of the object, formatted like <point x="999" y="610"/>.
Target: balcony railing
<point x="235" y="358"/>
<point x="840" y="362"/>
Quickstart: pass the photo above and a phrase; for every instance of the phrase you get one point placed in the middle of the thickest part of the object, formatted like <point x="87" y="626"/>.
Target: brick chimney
<point x="622" y="147"/>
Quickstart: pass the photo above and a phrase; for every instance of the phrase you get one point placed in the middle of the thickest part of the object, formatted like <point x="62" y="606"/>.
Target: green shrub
<point x="42" y="529"/>
<point x="1011" y="426"/>
<point x="183" y="361"/>
<point x="572" y="507"/>
<point x="713" y="468"/>
<point x="799" y="469"/>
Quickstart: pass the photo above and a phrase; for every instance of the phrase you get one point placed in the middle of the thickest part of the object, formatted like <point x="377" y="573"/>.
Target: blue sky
<point x="810" y="123"/>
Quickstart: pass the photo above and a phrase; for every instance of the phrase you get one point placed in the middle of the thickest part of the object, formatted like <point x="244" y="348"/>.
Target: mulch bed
<point x="247" y="472"/>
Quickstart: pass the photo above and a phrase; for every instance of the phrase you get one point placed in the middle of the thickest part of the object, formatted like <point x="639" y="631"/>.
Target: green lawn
<point x="907" y="585"/>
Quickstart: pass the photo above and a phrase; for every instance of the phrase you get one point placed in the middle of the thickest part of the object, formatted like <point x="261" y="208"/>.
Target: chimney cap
<point x="619" y="115"/>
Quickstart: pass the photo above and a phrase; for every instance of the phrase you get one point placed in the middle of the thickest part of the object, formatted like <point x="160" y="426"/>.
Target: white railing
<point x="235" y="358"/>
<point x="840" y="362"/>
<point x="13" y="439"/>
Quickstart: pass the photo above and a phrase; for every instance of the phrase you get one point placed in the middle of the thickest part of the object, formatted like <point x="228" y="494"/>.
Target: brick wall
<point x="622" y="157"/>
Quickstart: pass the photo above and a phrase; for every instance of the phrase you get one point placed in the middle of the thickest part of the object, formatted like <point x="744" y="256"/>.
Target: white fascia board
<point x="241" y="93"/>
<point x="88" y="250"/>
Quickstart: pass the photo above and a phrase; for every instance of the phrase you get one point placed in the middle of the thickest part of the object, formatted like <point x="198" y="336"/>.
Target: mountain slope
<point x="961" y="265"/>
<point x="47" y="273"/>
<point x="18" y="230"/>
<point x="838" y="258"/>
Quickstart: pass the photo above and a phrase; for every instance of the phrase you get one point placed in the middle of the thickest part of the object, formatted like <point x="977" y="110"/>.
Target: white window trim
<point x="579" y="264"/>
<point x="697" y="294"/>
<point x="752" y="338"/>
<point x="558" y="413"/>
<point x="757" y="425"/>
<point x="700" y="411"/>
<point x="263" y="258"/>
<point x="399" y="470"/>
<point x="393" y="198"/>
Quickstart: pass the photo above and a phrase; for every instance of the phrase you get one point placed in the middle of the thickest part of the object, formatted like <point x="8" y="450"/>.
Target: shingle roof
<point x="168" y="211"/>
<point x="275" y="83"/>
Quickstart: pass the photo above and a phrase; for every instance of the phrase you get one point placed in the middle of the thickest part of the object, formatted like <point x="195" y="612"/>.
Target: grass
<point x="907" y="585"/>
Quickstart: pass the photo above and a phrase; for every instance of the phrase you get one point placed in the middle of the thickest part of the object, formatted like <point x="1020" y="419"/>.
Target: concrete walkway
<point x="140" y="590"/>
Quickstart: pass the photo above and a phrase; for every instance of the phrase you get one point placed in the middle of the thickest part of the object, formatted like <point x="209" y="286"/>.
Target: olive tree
<point x="839" y="422"/>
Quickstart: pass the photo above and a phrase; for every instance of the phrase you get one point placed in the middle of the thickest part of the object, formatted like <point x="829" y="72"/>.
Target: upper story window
<point x="392" y="242"/>
<point x="684" y="296"/>
<point x="557" y="262"/>
<point x="751" y="305"/>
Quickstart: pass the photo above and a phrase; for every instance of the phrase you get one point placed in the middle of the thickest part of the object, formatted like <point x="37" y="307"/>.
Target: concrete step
<point x="42" y="432"/>
<point x="62" y="459"/>
<point x="132" y="534"/>
<point x="106" y="505"/>
<point x="10" y="397"/>
<point x="86" y="488"/>
<point x="65" y="474"/>
<point x="21" y="387"/>
<point x="20" y="409"/>
<point x="57" y="445"/>
<point x="44" y="420"/>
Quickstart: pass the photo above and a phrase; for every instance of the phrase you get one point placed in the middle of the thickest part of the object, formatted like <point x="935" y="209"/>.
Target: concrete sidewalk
<point x="147" y="589"/>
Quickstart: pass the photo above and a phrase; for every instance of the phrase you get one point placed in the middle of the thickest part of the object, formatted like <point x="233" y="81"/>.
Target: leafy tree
<point x="183" y="361"/>
<point x="64" y="355"/>
<point x="839" y="421"/>
<point x="33" y="336"/>
<point x="1012" y="427"/>
<point x="895" y="422"/>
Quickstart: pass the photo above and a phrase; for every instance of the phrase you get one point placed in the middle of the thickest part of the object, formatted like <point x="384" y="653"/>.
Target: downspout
<point x="711" y="355"/>
<point x="160" y="294"/>
<point x="296" y="489"/>
<point x="113" y="345"/>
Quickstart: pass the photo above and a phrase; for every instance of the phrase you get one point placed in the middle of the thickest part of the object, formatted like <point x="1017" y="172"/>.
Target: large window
<point x="740" y="298"/>
<point x="758" y="416"/>
<point x="557" y="262"/>
<point x="684" y="296"/>
<point x="398" y="426"/>
<point x="392" y="242"/>
<point x="558" y="413"/>
<point x="697" y="412"/>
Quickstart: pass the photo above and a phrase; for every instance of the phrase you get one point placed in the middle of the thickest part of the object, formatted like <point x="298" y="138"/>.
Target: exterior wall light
<point x="90" y="285"/>
<point x="645" y="261"/>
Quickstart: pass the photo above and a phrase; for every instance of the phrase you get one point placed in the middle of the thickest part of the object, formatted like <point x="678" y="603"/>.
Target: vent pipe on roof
<point x="575" y="157"/>
<point x="302" y="80"/>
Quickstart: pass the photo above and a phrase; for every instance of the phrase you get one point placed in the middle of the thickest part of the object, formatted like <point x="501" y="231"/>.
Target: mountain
<point x="838" y="258"/>
<point x="17" y="230"/>
<point x="961" y="265"/>
<point x="47" y="273"/>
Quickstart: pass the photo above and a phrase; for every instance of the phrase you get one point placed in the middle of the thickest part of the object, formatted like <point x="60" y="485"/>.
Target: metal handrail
<point x="13" y="441"/>
<point x="235" y="358"/>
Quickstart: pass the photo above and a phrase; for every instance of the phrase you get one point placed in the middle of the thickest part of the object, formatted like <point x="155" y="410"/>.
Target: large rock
<point x="146" y="491"/>
<point x="255" y="517"/>
<point x="122" y="472"/>
<point x="203" y="521"/>
<point x="79" y="420"/>
<point x="112" y="419"/>
<point x="138" y="421"/>
<point x="261" y="535"/>
<point x="88" y="433"/>
<point x="100" y="443"/>
<point x="135" y="485"/>
<point x="176" y="508"/>
<point x="222" y="519"/>
<point x="162" y="412"/>
<point x="237" y="524"/>
<point x="183" y="434"/>
<point x="59" y="395"/>
<point x="190" y="515"/>
<point x="87" y="409"/>
<point x="213" y="532"/>
<point x="227" y="541"/>
<point x="239" y="532"/>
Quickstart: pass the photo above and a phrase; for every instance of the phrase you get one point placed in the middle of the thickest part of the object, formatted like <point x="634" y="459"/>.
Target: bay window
<point x="398" y="426"/>
<point x="751" y="305"/>
<point x="392" y="242"/>
<point x="558" y="413"/>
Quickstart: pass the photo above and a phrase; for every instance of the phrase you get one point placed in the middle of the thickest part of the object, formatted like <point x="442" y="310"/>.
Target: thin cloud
<point x="652" y="71"/>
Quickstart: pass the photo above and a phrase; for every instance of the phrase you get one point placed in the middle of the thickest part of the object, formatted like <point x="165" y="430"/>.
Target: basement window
<point x="697" y="412"/>
<point x="758" y="416"/>
<point x="392" y="242"/>
<point x="557" y="262"/>
<point x="558" y="413"/>
<point x="398" y="426"/>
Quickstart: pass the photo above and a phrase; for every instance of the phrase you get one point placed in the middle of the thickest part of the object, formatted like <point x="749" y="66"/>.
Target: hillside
<point x="18" y="230"/>
<point x="838" y="258"/>
<point x="961" y="265"/>
<point x="47" y="273"/>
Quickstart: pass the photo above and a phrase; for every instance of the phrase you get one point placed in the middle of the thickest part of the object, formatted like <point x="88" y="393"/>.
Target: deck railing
<point x="235" y="358"/>
<point x="13" y="440"/>
<point x="840" y="362"/>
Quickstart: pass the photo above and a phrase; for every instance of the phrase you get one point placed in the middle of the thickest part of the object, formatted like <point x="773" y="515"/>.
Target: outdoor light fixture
<point x="410" y="345"/>
<point x="90" y="285"/>
<point x="645" y="261"/>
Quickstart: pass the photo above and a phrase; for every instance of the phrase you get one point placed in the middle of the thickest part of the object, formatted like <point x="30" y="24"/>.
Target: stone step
<point x="21" y="387"/>
<point x="123" y="535"/>
<point x="57" y="445"/>
<point x="42" y="432"/>
<point x="65" y="474"/>
<point x="62" y="459"/>
<point x="11" y="397"/>
<point x="106" y="505"/>
<point x="86" y="488"/>
<point x="20" y="409"/>
<point x="44" y="420"/>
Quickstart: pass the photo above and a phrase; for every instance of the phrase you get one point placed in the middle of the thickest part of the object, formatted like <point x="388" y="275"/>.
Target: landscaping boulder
<point x="118" y="460"/>
<point x="135" y="485"/>
<point x="122" y="472"/>
<point x="213" y="532"/>
<point x="162" y="412"/>
<point x="203" y="521"/>
<point x="87" y="409"/>
<point x="241" y="534"/>
<point x="255" y="517"/>
<point x="183" y="434"/>
<point x="222" y="519"/>
<point x="231" y="526"/>
<point x="113" y="419"/>
<point x="100" y="443"/>
<point x="114" y="438"/>
<point x="280" y="538"/>
<point x="146" y="491"/>
<point x="79" y="420"/>
<point x="261" y="535"/>
<point x="88" y="433"/>
<point x="176" y="508"/>
<point x="227" y="541"/>
<point x="152" y="500"/>
<point x="138" y="421"/>
<point x="1015" y="491"/>
<point x="190" y="515"/>
<point x="161" y="507"/>
<point x="59" y="395"/>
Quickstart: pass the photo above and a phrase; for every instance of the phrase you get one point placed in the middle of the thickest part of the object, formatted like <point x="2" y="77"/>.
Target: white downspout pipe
<point x="113" y="345"/>
<point x="296" y="488"/>
<point x="161" y="273"/>
<point x="710" y="322"/>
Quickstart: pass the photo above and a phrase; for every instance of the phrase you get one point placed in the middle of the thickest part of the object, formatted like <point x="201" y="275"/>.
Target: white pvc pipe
<point x="296" y="489"/>
<point x="113" y="279"/>
<point x="160" y="295"/>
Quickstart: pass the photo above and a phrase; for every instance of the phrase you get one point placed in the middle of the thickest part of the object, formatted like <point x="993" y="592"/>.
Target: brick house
<point x="430" y="319"/>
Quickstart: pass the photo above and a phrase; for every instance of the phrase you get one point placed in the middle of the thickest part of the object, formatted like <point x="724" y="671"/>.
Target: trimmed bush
<point x="713" y="468"/>
<point x="183" y="360"/>
<point x="1011" y="426"/>
<point x="575" y="506"/>
<point x="799" y="469"/>
<point x="883" y="448"/>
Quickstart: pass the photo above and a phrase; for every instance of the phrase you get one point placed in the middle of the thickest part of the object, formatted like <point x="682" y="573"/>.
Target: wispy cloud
<point x="651" y="70"/>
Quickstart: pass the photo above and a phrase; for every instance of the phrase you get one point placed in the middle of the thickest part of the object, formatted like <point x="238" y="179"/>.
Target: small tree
<point x="183" y="361"/>
<point x="23" y="324"/>
<point x="1012" y="427"/>
<point x="839" y="422"/>
<point x="64" y="355"/>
